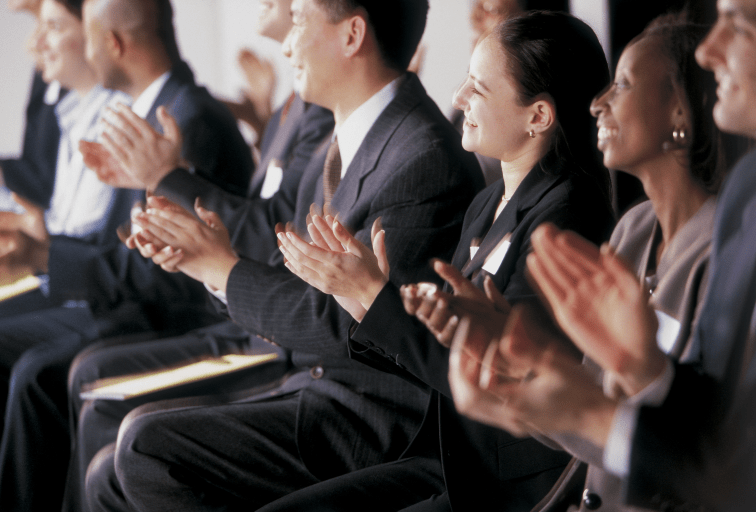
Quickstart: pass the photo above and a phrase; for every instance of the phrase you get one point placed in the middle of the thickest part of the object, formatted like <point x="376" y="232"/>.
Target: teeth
<point x="606" y="133"/>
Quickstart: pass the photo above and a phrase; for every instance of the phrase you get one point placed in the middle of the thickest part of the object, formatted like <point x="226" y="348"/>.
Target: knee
<point x="101" y="482"/>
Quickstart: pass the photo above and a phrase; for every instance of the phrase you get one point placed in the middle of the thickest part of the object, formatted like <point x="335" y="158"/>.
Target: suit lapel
<point x="409" y="95"/>
<point x="180" y="75"/>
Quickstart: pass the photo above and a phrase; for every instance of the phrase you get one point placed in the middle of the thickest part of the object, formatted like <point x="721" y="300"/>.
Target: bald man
<point x="98" y="290"/>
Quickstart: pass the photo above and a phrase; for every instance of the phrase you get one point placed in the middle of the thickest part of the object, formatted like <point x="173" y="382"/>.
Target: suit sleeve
<point x="421" y="204"/>
<point x="405" y="342"/>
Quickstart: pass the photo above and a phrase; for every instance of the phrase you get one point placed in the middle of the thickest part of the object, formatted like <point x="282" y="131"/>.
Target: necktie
<point x="331" y="172"/>
<point x="286" y="108"/>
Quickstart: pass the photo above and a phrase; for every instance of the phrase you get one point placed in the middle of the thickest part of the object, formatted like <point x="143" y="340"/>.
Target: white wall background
<point x="210" y="34"/>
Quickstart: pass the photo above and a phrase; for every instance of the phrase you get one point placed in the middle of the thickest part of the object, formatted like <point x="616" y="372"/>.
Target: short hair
<point x="558" y="54"/>
<point x="677" y="39"/>
<point x="398" y="25"/>
<point x="72" y="6"/>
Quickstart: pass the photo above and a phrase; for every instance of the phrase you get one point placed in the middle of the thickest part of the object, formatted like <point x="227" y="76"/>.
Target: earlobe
<point x="543" y="116"/>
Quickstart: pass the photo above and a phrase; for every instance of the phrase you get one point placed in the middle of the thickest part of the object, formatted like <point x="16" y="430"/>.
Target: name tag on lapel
<point x="496" y="257"/>
<point x="669" y="329"/>
<point x="273" y="178"/>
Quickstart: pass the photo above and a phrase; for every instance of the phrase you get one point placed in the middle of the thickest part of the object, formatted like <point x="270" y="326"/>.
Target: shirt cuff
<point x="619" y="442"/>
<point x="221" y="296"/>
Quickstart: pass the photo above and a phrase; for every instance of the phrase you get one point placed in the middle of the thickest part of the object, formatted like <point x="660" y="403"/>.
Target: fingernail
<point x="280" y="236"/>
<point x="288" y="235"/>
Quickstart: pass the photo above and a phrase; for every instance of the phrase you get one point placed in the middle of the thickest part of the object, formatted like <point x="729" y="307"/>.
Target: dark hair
<point x="677" y="39"/>
<point x="72" y="6"/>
<point x="557" y="54"/>
<point x="398" y="25"/>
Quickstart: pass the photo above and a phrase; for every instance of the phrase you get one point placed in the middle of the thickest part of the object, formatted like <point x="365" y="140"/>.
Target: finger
<point x="163" y="203"/>
<point x="120" y="129"/>
<point x="10" y="221"/>
<point x="446" y="335"/>
<point x="350" y="243"/>
<point x="135" y="125"/>
<point x="567" y="256"/>
<point x="165" y="230"/>
<point x="379" y="248"/>
<point x="326" y="231"/>
<point x="439" y="316"/>
<point x="410" y="298"/>
<point x="449" y="273"/>
<point x="116" y="149"/>
<point x="317" y="237"/>
<point x="171" y="128"/>
<point x="494" y="295"/>
<point x="212" y="219"/>
<point x="304" y="254"/>
<point x="145" y="248"/>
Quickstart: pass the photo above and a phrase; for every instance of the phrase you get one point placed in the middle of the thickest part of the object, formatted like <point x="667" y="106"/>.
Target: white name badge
<point x="494" y="260"/>
<point x="669" y="329"/>
<point x="273" y="178"/>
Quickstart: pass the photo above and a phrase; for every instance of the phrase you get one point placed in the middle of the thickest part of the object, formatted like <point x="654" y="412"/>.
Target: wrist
<point x="371" y="291"/>
<point x="219" y="272"/>
<point x="646" y="372"/>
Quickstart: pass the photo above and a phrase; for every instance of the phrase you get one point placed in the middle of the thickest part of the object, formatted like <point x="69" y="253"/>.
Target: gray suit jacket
<point x="412" y="171"/>
<point x="678" y="288"/>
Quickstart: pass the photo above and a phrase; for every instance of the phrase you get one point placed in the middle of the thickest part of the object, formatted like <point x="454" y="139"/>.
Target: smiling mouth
<point x="470" y="123"/>
<point x="605" y="133"/>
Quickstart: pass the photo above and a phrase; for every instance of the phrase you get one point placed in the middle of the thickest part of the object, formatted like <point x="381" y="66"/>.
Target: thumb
<point x="453" y="276"/>
<point x="379" y="248"/>
<point x="170" y="126"/>
<point x="350" y="243"/>
<point x="212" y="219"/>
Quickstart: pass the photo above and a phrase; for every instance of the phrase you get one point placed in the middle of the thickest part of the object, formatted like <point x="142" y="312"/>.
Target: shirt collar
<point x="144" y="102"/>
<point x="52" y="93"/>
<point x="355" y="128"/>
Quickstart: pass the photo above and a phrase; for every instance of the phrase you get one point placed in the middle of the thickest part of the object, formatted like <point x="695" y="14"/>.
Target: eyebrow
<point x="481" y="84"/>
<point x="748" y="13"/>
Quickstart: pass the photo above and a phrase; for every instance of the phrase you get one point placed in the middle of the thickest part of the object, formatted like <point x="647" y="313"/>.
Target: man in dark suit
<point x="96" y="286"/>
<point x="400" y="160"/>
<point x="292" y="135"/>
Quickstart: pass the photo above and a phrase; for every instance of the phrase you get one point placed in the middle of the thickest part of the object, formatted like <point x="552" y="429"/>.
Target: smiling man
<point x="393" y="156"/>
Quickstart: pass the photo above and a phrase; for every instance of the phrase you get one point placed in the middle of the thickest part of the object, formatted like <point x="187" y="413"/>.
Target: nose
<point x="598" y="105"/>
<point x="709" y="52"/>
<point x="459" y="100"/>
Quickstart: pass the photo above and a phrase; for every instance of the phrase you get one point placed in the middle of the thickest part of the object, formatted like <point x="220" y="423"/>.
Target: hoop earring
<point x="532" y="134"/>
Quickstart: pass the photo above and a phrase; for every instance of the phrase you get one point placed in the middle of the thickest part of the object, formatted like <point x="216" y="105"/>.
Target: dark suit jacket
<point x="411" y="171"/>
<point x="100" y="269"/>
<point x="33" y="174"/>
<point x="484" y="465"/>
<point x="698" y="446"/>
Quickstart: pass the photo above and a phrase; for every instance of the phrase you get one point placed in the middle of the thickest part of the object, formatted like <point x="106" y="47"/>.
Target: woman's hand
<point x="440" y="311"/>
<point x="338" y="264"/>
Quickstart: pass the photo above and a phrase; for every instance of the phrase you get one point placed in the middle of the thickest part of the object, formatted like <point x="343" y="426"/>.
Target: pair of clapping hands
<point x="506" y="368"/>
<point x="133" y="154"/>
<point x="24" y="241"/>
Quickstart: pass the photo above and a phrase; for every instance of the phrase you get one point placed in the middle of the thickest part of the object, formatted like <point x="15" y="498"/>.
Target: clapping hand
<point x="599" y="303"/>
<point x="337" y="263"/>
<point x="139" y="150"/>
<point x="176" y="239"/>
<point x="440" y="311"/>
<point x="24" y="240"/>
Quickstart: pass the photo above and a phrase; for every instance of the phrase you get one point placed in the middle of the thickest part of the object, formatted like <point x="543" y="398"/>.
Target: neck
<point x="361" y="85"/>
<point x="513" y="171"/>
<point x="148" y="67"/>
<point x="86" y="82"/>
<point x="674" y="195"/>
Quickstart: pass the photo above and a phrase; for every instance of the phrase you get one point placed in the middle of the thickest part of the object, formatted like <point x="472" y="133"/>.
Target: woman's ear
<point x="543" y="116"/>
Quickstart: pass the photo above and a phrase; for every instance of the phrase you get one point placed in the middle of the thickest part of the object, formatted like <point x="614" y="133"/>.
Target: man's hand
<point x="24" y="240"/>
<point x="107" y="168"/>
<point x="526" y="382"/>
<point x="600" y="304"/>
<point x="142" y="152"/>
<point x="200" y="248"/>
<point x="338" y="264"/>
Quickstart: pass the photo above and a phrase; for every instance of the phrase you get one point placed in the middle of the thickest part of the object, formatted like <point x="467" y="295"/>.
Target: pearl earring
<point x="532" y="134"/>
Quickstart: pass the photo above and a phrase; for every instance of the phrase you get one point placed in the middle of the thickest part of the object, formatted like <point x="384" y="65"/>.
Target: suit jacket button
<point x="591" y="500"/>
<point x="316" y="372"/>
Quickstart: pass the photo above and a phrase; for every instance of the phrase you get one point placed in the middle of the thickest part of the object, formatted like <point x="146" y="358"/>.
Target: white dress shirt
<point x="80" y="202"/>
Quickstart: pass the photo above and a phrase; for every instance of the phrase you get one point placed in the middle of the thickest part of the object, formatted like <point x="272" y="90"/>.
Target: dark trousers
<point x="98" y="421"/>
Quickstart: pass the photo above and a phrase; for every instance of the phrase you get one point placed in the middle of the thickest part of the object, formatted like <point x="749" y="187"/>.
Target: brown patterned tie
<point x="331" y="172"/>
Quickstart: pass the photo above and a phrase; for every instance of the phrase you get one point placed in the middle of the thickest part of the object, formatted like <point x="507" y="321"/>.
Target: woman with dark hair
<point x="655" y="122"/>
<point x="522" y="106"/>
